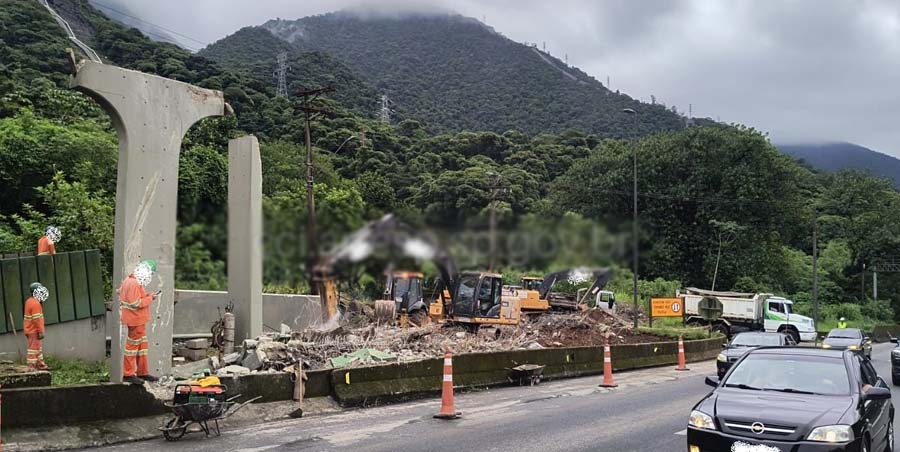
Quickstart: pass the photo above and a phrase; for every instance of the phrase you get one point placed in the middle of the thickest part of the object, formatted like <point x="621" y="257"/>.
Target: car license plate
<point x="744" y="447"/>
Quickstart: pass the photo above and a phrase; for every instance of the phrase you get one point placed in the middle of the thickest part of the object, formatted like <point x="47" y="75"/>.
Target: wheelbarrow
<point x="526" y="374"/>
<point x="200" y="405"/>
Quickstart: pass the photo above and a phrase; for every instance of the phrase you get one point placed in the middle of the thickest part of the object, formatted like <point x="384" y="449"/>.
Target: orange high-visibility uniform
<point x="135" y="309"/>
<point x="34" y="332"/>
<point x="45" y="247"/>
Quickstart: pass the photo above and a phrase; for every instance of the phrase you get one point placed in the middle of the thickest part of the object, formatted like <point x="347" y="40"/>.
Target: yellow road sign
<point x="666" y="307"/>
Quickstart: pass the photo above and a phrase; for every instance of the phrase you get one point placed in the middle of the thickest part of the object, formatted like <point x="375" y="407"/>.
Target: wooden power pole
<point x="311" y="113"/>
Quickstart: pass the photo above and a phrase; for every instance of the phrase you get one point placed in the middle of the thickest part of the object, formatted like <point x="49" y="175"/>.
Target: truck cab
<point x="779" y="316"/>
<point x="603" y="299"/>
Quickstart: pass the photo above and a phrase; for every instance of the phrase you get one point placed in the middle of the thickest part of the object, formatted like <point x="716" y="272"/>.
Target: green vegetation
<point x="563" y="172"/>
<point x="66" y="372"/>
<point x="456" y="74"/>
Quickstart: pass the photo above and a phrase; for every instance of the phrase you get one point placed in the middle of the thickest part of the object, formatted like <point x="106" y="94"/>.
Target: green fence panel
<point x="64" y="287"/>
<point x="47" y="277"/>
<point x="3" y="320"/>
<point x="80" y="285"/>
<point x="95" y="282"/>
<point x="12" y="292"/>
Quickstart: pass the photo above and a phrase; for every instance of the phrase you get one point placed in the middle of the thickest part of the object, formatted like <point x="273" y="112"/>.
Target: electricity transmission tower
<point x="384" y="114"/>
<point x="280" y="75"/>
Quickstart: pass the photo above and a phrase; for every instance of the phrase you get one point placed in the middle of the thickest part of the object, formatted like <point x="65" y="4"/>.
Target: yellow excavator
<point x="463" y="297"/>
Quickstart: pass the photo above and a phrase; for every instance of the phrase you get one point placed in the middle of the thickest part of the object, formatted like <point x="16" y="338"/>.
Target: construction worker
<point x="47" y="242"/>
<point x="34" y="325"/>
<point x="842" y="323"/>
<point x="135" y="310"/>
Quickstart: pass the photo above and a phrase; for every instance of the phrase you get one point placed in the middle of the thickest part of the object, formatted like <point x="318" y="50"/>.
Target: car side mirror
<point x="895" y="340"/>
<point x="876" y="393"/>
<point x="713" y="380"/>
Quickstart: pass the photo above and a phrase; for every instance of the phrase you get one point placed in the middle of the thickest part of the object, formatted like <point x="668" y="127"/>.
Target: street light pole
<point x="634" y="221"/>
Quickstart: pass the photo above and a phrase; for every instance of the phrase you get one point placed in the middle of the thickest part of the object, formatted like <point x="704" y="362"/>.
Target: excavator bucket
<point x="385" y="311"/>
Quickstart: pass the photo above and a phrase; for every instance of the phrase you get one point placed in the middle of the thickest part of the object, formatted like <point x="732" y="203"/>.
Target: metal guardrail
<point x="89" y="52"/>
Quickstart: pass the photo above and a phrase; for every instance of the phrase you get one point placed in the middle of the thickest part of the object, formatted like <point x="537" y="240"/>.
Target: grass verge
<point x="67" y="372"/>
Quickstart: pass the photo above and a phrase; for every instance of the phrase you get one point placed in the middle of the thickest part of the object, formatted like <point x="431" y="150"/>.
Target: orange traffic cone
<point x="607" y="368"/>
<point x="681" y="360"/>
<point x="448" y="411"/>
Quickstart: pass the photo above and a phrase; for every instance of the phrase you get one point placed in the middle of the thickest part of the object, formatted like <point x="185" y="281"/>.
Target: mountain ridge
<point x="454" y="73"/>
<point x="840" y="155"/>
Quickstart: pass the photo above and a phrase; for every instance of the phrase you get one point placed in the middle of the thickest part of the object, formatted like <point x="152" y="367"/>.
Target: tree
<point x="726" y="233"/>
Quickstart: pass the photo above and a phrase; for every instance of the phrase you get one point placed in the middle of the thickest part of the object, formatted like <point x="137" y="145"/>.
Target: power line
<point x="105" y="6"/>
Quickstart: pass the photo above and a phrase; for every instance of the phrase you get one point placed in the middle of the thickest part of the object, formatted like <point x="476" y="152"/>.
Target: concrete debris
<point x="361" y="356"/>
<point x="197" y="344"/>
<point x="254" y="359"/>
<point x="231" y="358"/>
<point x="249" y="343"/>
<point x="232" y="370"/>
<point x="187" y="371"/>
<point x="285" y="329"/>
<point x="534" y="346"/>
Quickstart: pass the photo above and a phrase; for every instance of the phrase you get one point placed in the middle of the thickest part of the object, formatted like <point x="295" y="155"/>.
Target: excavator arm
<point x="385" y="233"/>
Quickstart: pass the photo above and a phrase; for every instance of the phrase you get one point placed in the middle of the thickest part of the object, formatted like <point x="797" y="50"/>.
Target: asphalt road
<point x="647" y="412"/>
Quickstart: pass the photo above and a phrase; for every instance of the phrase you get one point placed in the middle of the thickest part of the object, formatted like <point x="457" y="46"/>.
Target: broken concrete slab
<point x="285" y="329"/>
<point x="191" y="354"/>
<point x="254" y="359"/>
<point x="231" y="358"/>
<point x="250" y="344"/>
<point x="233" y="370"/>
<point x="197" y="344"/>
<point x="187" y="371"/>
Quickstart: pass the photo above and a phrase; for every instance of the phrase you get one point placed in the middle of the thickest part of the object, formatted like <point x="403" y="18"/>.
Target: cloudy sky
<point x="801" y="70"/>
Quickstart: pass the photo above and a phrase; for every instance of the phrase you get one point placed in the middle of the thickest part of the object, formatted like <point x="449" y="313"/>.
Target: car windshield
<point x="755" y="340"/>
<point x="845" y="334"/>
<point x="789" y="373"/>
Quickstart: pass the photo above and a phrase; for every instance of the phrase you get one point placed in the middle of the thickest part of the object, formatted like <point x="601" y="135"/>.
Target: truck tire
<point x="723" y="329"/>
<point x="792" y="332"/>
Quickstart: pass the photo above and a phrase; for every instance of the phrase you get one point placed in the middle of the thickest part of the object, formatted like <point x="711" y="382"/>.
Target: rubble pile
<point x="361" y="342"/>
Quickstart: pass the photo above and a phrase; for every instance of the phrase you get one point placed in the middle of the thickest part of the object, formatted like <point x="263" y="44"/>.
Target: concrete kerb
<point x="367" y="385"/>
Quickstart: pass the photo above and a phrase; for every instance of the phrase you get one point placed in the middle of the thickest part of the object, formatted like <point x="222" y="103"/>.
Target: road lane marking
<point x="681" y="433"/>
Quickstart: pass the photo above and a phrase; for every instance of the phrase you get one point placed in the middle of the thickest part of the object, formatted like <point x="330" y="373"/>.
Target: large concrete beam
<point x="151" y="114"/>
<point x="245" y="236"/>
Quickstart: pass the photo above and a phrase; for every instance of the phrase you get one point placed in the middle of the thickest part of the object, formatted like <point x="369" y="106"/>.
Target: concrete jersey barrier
<point x="362" y="386"/>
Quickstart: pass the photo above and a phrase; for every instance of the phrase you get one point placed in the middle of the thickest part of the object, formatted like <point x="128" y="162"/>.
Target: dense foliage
<point x="455" y="73"/>
<point x="563" y="198"/>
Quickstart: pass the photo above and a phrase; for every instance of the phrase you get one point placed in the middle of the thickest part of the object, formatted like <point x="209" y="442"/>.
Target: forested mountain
<point x="842" y="156"/>
<point x="255" y="51"/>
<point x="454" y="73"/>
<point x="566" y="195"/>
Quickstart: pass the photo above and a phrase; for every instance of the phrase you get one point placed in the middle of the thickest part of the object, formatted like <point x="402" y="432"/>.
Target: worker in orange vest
<point x="34" y="325"/>
<point x="135" y="310"/>
<point x="47" y="242"/>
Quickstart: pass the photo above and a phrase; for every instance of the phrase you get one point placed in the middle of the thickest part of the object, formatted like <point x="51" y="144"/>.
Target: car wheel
<point x="895" y="379"/>
<point x="865" y="445"/>
<point x="890" y="436"/>
<point x="794" y="335"/>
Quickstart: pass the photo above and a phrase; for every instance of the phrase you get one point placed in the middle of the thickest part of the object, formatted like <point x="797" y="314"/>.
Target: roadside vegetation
<point x="58" y="155"/>
<point x="67" y="372"/>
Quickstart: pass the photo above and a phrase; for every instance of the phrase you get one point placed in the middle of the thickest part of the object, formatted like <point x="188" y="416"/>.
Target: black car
<point x="795" y="399"/>
<point x="741" y="343"/>
<point x="895" y="362"/>
<point x="849" y="339"/>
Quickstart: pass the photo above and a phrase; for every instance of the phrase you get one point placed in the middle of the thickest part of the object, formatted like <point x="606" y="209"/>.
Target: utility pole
<point x="634" y="222"/>
<point x="281" y="75"/>
<point x="862" y="283"/>
<point x="494" y="180"/>
<point x="815" y="281"/>
<point x="875" y="283"/>
<point x="311" y="113"/>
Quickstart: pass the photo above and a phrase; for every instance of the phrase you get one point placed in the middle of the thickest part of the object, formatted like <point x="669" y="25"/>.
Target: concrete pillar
<point x="151" y="115"/>
<point x="245" y="236"/>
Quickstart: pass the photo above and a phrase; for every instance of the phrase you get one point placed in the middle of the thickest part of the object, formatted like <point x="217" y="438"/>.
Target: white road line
<point x="681" y="433"/>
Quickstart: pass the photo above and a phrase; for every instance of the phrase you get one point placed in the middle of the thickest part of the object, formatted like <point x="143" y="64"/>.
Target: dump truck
<point x="733" y="312"/>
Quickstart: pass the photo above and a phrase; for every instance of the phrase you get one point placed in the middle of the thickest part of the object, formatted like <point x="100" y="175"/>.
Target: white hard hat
<point x="842" y="319"/>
